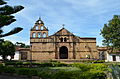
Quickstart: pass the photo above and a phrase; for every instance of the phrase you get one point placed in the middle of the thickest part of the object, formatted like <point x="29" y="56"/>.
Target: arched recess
<point x="36" y="27"/>
<point x="39" y="34"/>
<point x="44" y="34"/>
<point x="61" y="39"/>
<point x="63" y="52"/>
<point x="41" y="28"/>
<point x="65" y="39"/>
<point x="34" y="35"/>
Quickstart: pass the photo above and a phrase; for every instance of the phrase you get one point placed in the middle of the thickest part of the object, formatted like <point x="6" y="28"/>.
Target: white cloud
<point x="82" y="17"/>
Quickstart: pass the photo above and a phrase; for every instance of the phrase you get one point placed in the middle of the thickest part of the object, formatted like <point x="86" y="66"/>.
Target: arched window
<point x="41" y="28"/>
<point x="61" y="39"/>
<point x="36" y="27"/>
<point x="44" y="34"/>
<point x="34" y="35"/>
<point x="39" y="35"/>
<point x="65" y="39"/>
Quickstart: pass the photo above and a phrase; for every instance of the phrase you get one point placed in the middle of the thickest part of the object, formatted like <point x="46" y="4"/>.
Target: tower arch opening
<point x="39" y="34"/>
<point x="34" y="35"/>
<point x="41" y="28"/>
<point x="44" y="35"/>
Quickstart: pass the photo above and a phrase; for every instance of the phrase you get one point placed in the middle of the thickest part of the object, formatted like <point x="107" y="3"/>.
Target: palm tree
<point x="115" y="71"/>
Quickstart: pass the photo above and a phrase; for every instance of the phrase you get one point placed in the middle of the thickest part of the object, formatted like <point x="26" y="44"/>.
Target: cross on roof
<point x="63" y="25"/>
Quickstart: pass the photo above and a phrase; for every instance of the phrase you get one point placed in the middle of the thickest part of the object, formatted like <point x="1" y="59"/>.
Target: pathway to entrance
<point x="12" y="77"/>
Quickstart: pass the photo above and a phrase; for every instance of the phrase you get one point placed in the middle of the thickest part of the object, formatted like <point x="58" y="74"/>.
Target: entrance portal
<point x="63" y="52"/>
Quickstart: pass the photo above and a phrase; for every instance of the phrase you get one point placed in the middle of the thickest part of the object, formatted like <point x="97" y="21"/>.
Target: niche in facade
<point x="41" y="28"/>
<point x="36" y="27"/>
<point x="44" y="34"/>
<point x="34" y="35"/>
<point x="63" y="39"/>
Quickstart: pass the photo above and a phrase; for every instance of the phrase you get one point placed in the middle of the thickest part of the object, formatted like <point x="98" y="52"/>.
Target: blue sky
<point x="84" y="18"/>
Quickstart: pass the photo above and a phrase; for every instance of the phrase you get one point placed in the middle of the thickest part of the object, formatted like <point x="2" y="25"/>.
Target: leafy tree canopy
<point x="7" y="48"/>
<point x="6" y="17"/>
<point x="111" y="33"/>
<point x="23" y="45"/>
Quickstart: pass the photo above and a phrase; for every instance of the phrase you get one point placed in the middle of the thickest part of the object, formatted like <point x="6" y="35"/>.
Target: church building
<point x="61" y="45"/>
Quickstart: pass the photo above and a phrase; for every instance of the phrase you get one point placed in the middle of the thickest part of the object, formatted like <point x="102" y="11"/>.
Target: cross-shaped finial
<point x="63" y="25"/>
<point x="40" y="18"/>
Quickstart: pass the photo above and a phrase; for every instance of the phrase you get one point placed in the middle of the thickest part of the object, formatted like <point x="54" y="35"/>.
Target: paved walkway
<point x="12" y="77"/>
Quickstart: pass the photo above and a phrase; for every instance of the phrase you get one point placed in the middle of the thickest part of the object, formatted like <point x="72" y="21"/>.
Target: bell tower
<point x="39" y="30"/>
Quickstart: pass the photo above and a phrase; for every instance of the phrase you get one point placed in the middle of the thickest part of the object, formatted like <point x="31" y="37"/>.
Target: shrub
<point x="67" y="75"/>
<point x="98" y="61"/>
<point x="10" y="63"/>
<point x="33" y="72"/>
<point x="13" y="63"/>
<point x="93" y="75"/>
<point x="26" y="63"/>
<point x="1" y="68"/>
<point x="52" y="64"/>
<point x="28" y="72"/>
<point x="102" y="67"/>
<point x="19" y="63"/>
<point x="35" y="63"/>
<point x="83" y="67"/>
<point x="86" y="67"/>
<point x="9" y="70"/>
<point x="45" y="74"/>
<point x="23" y="71"/>
<point x="58" y="64"/>
<point x="97" y="74"/>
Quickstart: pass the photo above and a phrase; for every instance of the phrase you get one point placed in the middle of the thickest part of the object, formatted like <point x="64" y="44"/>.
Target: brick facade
<point x="61" y="45"/>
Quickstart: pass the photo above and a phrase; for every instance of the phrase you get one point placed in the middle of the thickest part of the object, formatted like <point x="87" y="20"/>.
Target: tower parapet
<point x="39" y="30"/>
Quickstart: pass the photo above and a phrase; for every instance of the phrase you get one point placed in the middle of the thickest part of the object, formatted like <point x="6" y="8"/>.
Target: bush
<point x="45" y="74"/>
<point x="28" y="72"/>
<point x="83" y="67"/>
<point x="23" y="71"/>
<point x="19" y="63"/>
<point x="10" y="63"/>
<point x="102" y="67"/>
<point x="9" y="70"/>
<point x="13" y="63"/>
<point x="79" y="75"/>
<point x="98" y="61"/>
<point x="93" y="75"/>
<point x="33" y="72"/>
<point x="1" y="68"/>
<point x="67" y="75"/>
<point x="97" y="74"/>
<point x="26" y="63"/>
<point x="86" y="67"/>
<point x="52" y="64"/>
<point x="35" y="63"/>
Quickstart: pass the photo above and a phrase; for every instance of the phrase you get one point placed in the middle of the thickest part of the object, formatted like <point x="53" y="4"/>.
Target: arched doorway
<point x="63" y="52"/>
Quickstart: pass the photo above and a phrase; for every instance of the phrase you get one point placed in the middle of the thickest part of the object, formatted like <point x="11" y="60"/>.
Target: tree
<point x="111" y="34"/>
<point x="7" y="48"/>
<point x="22" y="45"/>
<point x="6" y="17"/>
